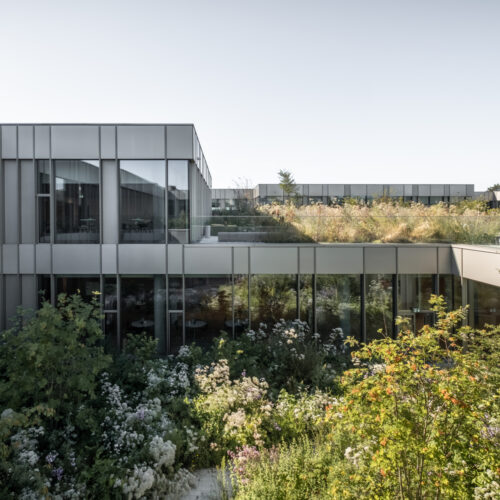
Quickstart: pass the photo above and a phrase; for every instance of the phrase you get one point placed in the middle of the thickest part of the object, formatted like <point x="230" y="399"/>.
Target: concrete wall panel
<point x="26" y="259"/>
<point x="141" y="142"/>
<point x="141" y="259"/>
<point x="444" y="260"/>
<point x="11" y="197"/>
<point x="482" y="266"/>
<point x="306" y="260"/>
<point x="414" y="260"/>
<point x="25" y="141"/>
<point x="175" y="259"/>
<point x="380" y="260"/>
<point x="180" y="142"/>
<point x="43" y="258"/>
<point x="339" y="260"/>
<point x="241" y="260"/>
<point x="42" y="142"/>
<point x="209" y="260"/>
<point x="109" y="259"/>
<point x="76" y="259"/>
<point x="273" y="260"/>
<point x="9" y="141"/>
<point x="75" y="142"/>
<point x="456" y="261"/>
<point x="10" y="264"/>
<point x="108" y="142"/>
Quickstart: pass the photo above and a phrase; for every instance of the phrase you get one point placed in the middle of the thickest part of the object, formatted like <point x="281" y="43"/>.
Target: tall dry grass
<point x="388" y="222"/>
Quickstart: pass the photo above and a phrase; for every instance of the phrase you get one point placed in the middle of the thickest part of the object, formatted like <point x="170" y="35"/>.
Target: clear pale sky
<point x="353" y="91"/>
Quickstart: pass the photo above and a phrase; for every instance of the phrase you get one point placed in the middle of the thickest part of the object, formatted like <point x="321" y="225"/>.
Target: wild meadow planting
<point x="385" y="221"/>
<point x="282" y="412"/>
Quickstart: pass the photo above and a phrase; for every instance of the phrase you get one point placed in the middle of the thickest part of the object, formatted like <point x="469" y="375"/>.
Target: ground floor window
<point x="485" y="303"/>
<point x="379" y="305"/>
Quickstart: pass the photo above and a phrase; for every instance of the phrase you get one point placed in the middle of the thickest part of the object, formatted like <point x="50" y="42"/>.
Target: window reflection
<point x="378" y="305"/>
<point x="414" y="292"/>
<point x="486" y="304"/>
<point x="306" y="299"/>
<point x="77" y="201"/>
<point x="338" y="304"/>
<point x="272" y="297"/>
<point x="86" y="286"/>
<point x="44" y="219"/>
<point x="142" y="201"/>
<point x="110" y="293"/>
<point x="178" y="201"/>
<point x="240" y="303"/>
<point x="176" y="335"/>
<point x="208" y="307"/>
<point x="143" y="307"/>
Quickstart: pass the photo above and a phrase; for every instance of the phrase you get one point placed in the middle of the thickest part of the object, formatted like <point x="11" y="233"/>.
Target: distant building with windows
<point x="125" y="209"/>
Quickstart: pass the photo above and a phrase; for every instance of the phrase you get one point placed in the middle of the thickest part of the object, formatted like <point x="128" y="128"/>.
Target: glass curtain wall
<point x="86" y="286"/>
<point x="414" y="292"/>
<point x="272" y="297"/>
<point x="77" y="201"/>
<point x="338" y="304"/>
<point x="176" y="313"/>
<point x="178" y="201"/>
<point x="143" y="306"/>
<point x="485" y="301"/>
<point x="43" y="200"/>
<point x="379" y="306"/>
<point x="306" y="302"/>
<point x="110" y="309"/>
<point x="240" y="300"/>
<point x="142" y="201"/>
<point x="208" y="302"/>
<point x="44" y="288"/>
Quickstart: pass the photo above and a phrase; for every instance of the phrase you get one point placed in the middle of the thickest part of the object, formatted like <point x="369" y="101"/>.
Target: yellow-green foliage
<point x="389" y="222"/>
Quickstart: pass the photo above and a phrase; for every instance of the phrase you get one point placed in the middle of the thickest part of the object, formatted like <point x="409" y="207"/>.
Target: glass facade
<point x="272" y="297"/>
<point x="142" y="201"/>
<point x="306" y="299"/>
<point x="77" y="201"/>
<point x="208" y="302"/>
<point x="43" y="200"/>
<point x="178" y="201"/>
<point x="143" y="307"/>
<point x="240" y="303"/>
<point x="86" y="286"/>
<point x="485" y="303"/>
<point x="379" y="306"/>
<point x="414" y="292"/>
<point x="338" y="304"/>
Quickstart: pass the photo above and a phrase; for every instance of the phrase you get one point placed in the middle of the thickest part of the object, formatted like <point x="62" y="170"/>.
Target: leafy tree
<point x="52" y="358"/>
<point x="420" y="414"/>
<point x="495" y="187"/>
<point x="287" y="183"/>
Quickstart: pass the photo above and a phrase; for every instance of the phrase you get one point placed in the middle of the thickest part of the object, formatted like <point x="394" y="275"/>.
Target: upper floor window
<point x="77" y="201"/>
<point x="43" y="200"/>
<point x="178" y="201"/>
<point x="142" y="201"/>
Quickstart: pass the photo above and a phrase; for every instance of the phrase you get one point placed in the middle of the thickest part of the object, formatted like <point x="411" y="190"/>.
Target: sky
<point x="352" y="91"/>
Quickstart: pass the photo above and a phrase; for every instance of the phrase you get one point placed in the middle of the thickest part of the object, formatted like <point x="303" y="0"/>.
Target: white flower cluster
<point x="354" y="455"/>
<point x="335" y="345"/>
<point x="171" y="379"/>
<point x="490" y="487"/>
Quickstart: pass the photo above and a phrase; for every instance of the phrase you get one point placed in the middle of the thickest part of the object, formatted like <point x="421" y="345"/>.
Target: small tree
<point x="287" y="183"/>
<point x="495" y="187"/>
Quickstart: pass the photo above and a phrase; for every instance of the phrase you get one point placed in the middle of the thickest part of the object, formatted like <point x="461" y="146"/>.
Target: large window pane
<point x="110" y="293"/>
<point x="414" y="292"/>
<point x="142" y="201"/>
<point x="44" y="288"/>
<point x="485" y="303"/>
<point x="176" y="336"/>
<point x="44" y="219"/>
<point x="178" y="202"/>
<point x="240" y="303"/>
<point x="378" y="305"/>
<point x="208" y="307"/>
<point x="338" y="304"/>
<point x="77" y="201"/>
<point x="306" y="299"/>
<point x="272" y="297"/>
<point x="143" y="307"/>
<point x="175" y="299"/>
<point x="86" y="286"/>
<point x="43" y="176"/>
<point x="111" y="339"/>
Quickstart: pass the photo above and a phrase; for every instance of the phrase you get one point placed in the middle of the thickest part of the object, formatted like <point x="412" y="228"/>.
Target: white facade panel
<point x="180" y="142"/>
<point x="108" y="142"/>
<point x="444" y="260"/>
<point x="306" y="260"/>
<point x="42" y="142"/>
<point x="9" y="141"/>
<point x="10" y="264"/>
<point x="380" y="260"/>
<point x="141" y="142"/>
<point x="274" y="260"/>
<point x="207" y="260"/>
<point x="175" y="259"/>
<point x="26" y="259"/>
<point x="75" y="142"/>
<point x="109" y="257"/>
<point x="339" y="260"/>
<point x="76" y="259"/>
<point x="25" y="141"/>
<point x="241" y="260"/>
<point x="414" y="260"/>
<point x="141" y="259"/>
<point x="482" y="266"/>
<point x="43" y="259"/>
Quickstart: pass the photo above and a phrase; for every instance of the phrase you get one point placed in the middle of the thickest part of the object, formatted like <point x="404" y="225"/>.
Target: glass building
<point x="121" y="214"/>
